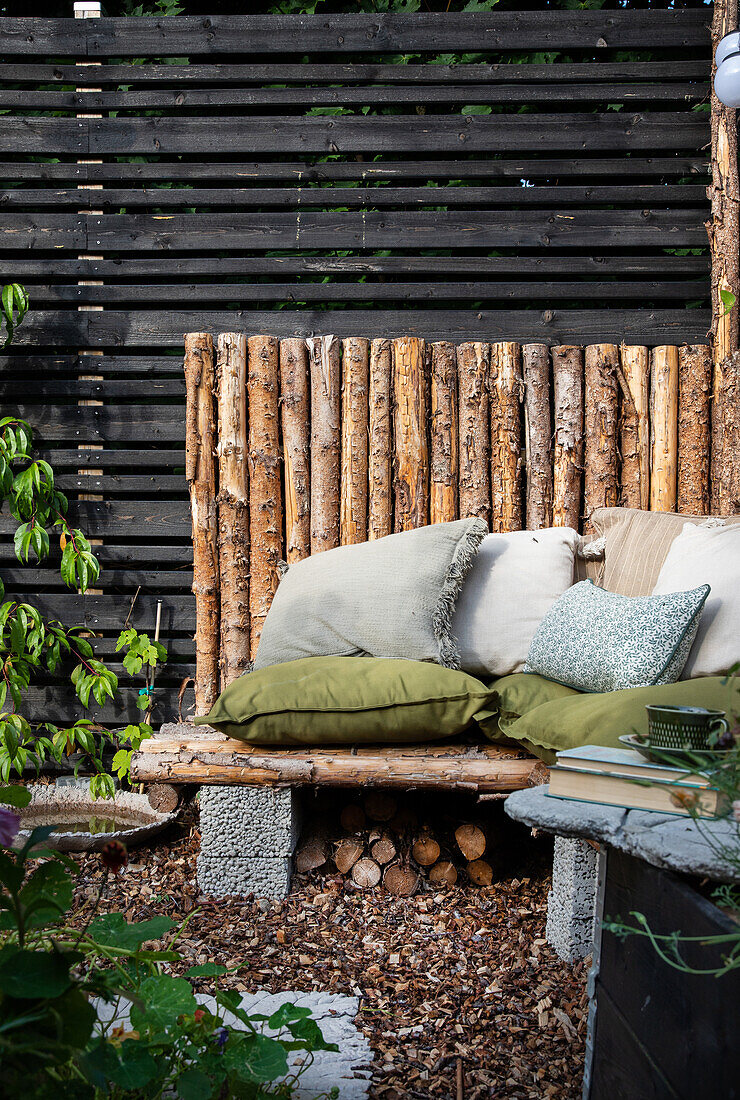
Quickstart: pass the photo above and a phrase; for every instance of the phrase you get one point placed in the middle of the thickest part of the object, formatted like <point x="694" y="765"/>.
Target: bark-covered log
<point x="634" y="377"/>
<point x="507" y="389"/>
<point x="444" y="445"/>
<point x="380" y="463"/>
<point x="200" y="472"/>
<point x="353" y="507"/>
<point x="726" y="478"/>
<point x="411" y="452"/>
<point x="601" y="479"/>
<point x="537" y="435"/>
<point x="233" y="505"/>
<point x="694" y="420"/>
<point x="295" y="408"/>
<point x="326" y="385"/>
<point x="473" y="365"/>
<point x="664" y="428"/>
<point x="567" y="376"/>
<point x="265" y="490"/>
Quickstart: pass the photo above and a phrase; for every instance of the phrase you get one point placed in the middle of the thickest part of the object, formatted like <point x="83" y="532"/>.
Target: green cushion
<point x="520" y="692"/>
<point x="601" y="719"/>
<point x="346" y="700"/>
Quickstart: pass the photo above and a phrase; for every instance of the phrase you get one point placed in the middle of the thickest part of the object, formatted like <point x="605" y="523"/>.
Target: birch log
<point x="233" y="505"/>
<point x="200" y="471"/>
<point x="444" y="448"/>
<point x="411" y="482"/>
<point x="354" y="487"/>
<point x="265" y="504"/>
<point x="694" y="420"/>
<point x="380" y="510"/>
<point x="473" y="364"/>
<point x="326" y="382"/>
<point x="635" y="426"/>
<point x="506" y="437"/>
<point x="537" y="435"/>
<point x="600" y="482"/>
<point x="664" y="428"/>
<point x="567" y="381"/>
<point x="295" y="418"/>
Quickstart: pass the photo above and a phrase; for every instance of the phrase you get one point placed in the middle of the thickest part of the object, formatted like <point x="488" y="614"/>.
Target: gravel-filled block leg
<point x="248" y="835"/>
<point x="571" y="902"/>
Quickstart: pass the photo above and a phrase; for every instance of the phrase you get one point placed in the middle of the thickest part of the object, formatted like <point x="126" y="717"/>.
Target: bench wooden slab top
<point x="182" y="753"/>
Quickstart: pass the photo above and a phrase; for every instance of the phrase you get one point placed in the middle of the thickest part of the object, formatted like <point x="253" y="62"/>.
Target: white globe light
<point x="729" y="44"/>
<point x="727" y="81"/>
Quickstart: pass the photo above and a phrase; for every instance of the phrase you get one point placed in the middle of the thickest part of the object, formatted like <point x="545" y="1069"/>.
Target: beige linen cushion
<point x="637" y="544"/>
<point x="708" y="555"/>
<point x="515" y="580"/>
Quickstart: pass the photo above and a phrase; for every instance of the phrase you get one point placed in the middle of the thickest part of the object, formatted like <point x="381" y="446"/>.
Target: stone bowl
<point x="84" y="824"/>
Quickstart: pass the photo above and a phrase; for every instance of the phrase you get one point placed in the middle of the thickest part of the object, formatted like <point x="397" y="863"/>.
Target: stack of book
<point x="621" y="777"/>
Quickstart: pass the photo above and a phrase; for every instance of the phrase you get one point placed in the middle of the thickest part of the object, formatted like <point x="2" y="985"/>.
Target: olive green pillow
<point x="600" y="719"/>
<point x="521" y="692"/>
<point x="346" y="700"/>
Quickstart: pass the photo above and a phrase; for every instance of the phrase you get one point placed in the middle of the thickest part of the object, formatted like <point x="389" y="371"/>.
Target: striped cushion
<point x="637" y="544"/>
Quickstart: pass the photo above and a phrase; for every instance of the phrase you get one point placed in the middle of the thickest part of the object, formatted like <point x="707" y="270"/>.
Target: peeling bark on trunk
<point x="326" y="384"/>
<point x="295" y="416"/>
<point x="233" y="505"/>
<point x="600" y="483"/>
<point x="353" y="509"/>
<point x="726" y="482"/>
<point x="507" y="391"/>
<point x="634" y="378"/>
<point x="380" y="502"/>
<point x="694" y="419"/>
<point x="567" y="375"/>
<point x="473" y="364"/>
<point x="265" y="503"/>
<point x="411" y="460"/>
<point x="663" y="428"/>
<point x="444" y="448"/>
<point x="537" y="435"/>
<point x="200" y="471"/>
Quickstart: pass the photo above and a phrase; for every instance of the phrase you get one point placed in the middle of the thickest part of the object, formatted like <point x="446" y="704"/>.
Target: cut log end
<point x="401" y="881"/>
<point x="163" y="797"/>
<point x="366" y="873"/>
<point x="480" y="872"/>
<point x="443" y="873"/>
<point x="471" y="841"/>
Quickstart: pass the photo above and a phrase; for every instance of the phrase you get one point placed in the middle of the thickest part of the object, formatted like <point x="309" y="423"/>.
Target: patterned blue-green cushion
<point x="594" y="640"/>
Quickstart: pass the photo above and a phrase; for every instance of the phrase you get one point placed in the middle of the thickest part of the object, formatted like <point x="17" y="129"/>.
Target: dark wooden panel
<point x="109" y="612"/>
<point x="123" y="458"/>
<point x="105" y="424"/>
<point x="101" y="391"/>
<point x="59" y="365"/>
<point x="143" y="556"/>
<point x="144" y="519"/>
<point x="623" y="1068"/>
<point x="525" y="30"/>
<point x="26" y="578"/>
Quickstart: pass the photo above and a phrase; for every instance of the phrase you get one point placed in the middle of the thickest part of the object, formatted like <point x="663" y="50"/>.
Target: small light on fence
<point x="727" y="76"/>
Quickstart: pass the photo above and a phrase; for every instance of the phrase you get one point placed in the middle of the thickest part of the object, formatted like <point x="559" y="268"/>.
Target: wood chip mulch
<point x="457" y="988"/>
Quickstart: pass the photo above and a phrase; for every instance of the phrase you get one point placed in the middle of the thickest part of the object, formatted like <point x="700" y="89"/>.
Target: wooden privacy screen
<point x="543" y="190"/>
<point x="326" y="442"/>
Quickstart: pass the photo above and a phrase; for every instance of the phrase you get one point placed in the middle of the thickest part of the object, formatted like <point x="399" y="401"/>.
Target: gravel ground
<point x="454" y="983"/>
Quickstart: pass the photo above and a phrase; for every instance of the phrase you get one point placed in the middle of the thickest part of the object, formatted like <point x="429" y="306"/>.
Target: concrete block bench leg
<point x="248" y="835"/>
<point x="572" y="900"/>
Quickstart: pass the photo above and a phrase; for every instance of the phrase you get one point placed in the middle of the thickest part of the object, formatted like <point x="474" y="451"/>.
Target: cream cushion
<point x="515" y="580"/>
<point x="708" y="555"/>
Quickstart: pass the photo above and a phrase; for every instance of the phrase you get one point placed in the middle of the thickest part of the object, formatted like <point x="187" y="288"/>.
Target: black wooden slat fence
<point x="293" y="180"/>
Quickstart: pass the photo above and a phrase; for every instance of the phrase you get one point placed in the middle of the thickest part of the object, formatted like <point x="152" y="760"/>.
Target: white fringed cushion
<point x="711" y="554"/>
<point x="515" y="580"/>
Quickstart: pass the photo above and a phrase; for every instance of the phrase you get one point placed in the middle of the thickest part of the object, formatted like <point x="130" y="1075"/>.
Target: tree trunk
<point x="537" y="435"/>
<point x="233" y="505"/>
<point x="326" y="383"/>
<point x="634" y="379"/>
<point x="473" y="426"/>
<point x="726" y="483"/>
<point x="664" y="428"/>
<point x="724" y="241"/>
<point x="444" y="449"/>
<point x="694" y="418"/>
<point x="295" y="416"/>
<point x="600" y="483"/>
<point x="200" y="472"/>
<point x="353" y="510"/>
<point x="506" y="437"/>
<point x="411" y="481"/>
<point x="265" y="503"/>
<point x="380" y="503"/>
<point x="567" y="376"/>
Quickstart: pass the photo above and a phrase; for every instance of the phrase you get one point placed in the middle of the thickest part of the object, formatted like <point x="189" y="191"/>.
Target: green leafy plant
<point x="15" y="306"/>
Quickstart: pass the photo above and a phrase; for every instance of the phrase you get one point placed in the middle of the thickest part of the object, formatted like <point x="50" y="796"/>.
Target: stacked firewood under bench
<point x="250" y="814"/>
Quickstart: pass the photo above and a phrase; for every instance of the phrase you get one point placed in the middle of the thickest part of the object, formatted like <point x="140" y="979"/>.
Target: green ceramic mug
<point x="687" y="728"/>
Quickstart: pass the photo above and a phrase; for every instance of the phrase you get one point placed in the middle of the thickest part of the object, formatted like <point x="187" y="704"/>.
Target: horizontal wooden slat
<point x="155" y="519"/>
<point x="115" y="555"/>
<point x="143" y="456"/>
<point x="104" y="612"/>
<point x="99" y="390"/>
<point x="27" y="578"/>
<point x="106" y="424"/>
<point x="523" y="30"/>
